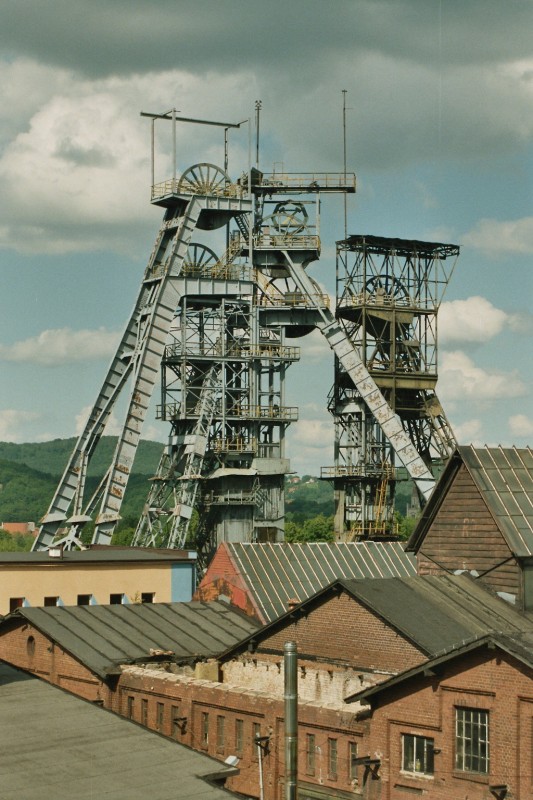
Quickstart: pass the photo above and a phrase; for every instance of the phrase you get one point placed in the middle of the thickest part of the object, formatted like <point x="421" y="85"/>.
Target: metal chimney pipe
<point x="291" y="720"/>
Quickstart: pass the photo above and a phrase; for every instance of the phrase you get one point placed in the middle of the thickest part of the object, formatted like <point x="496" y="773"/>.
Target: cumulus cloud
<point x="13" y="424"/>
<point x="521" y="425"/>
<point x="498" y="237"/>
<point x="461" y="379"/>
<point x="60" y="346"/>
<point x="469" y="432"/>
<point x="472" y="320"/>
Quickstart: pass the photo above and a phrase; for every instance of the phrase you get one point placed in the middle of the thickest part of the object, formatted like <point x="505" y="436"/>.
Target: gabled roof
<point x="103" y="637"/>
<point x="434" y="612"/>
<point x="518" y="645"/>
<point x="56" y="745"/>
<point x="504" y="477"/>
<point x="278" y="573"/>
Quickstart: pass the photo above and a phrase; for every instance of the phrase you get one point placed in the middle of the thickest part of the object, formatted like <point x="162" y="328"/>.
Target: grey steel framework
<point x="216" y="329"/>
<point x="388" y="295"/>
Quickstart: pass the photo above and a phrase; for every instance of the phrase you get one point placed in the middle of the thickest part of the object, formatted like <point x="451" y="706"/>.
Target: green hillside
<point x="51" y="457"/>
<point x="29" y="475"/>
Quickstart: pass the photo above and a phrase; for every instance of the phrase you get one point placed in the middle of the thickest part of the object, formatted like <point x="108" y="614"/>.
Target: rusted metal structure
<point x="215" y="329"/>
<point x="388" y="295"/>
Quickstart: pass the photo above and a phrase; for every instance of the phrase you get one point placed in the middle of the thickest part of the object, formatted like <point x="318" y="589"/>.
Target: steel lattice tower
<point x="388" y="295"/>
<point x="215" y="330"/>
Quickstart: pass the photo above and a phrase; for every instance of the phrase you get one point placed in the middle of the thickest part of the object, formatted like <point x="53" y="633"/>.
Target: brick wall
<point x="27" y="648"/>
<point x="487" y="681"/>
<point x="341" y="631"/>
<point x="223" y="578"/>
<point x="222" y="720"/>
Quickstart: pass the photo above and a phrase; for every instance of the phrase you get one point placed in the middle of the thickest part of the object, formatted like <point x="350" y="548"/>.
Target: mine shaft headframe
<point x="300" y="182"/>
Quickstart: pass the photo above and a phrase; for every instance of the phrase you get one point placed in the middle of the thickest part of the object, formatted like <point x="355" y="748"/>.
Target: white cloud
<point x="312" y="433"/>
<point x="521" y="425"/>
<point x="60" y="346"/>
<point x="496" y="237"/>
<point x="461" y="379"/>
<point x="472" y="320"/>
<point x="13" y="424"/>
<point x="83" y="158"/>
<point x="469" y="432"/>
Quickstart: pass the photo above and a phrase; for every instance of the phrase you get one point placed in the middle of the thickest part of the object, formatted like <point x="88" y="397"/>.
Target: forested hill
<point x="29" y="474"/>
<point x="51" y="457"/>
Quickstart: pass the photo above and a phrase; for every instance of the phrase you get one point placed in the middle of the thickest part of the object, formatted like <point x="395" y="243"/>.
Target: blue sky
<point x="439" y="133"/>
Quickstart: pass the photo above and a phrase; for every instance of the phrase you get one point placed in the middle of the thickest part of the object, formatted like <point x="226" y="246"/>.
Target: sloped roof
<point x="103" y="637"/>
<point x="518" y="645"/>
<point x="439" y="611"/>
<point x="434" y="612"/>
<point x="504" y="477"/>
<point x="276" y="573"/>
<point x="54" y="744"/>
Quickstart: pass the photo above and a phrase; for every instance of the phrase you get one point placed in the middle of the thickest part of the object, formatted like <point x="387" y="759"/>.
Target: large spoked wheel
<point x="204" y="179"/>
<point x="289" y="218"/>
<point x="387" y="285"/>
<point x="199" y="260"/>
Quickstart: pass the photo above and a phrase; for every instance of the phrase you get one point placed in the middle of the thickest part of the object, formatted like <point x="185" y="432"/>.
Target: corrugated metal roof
<point x="54" y="744"/>
<point x="99" y="555"/>
<point x="103" y="637"/>
<point x="439" y="611"/>
<point x="505" y="477"/>
<point x="279" y="572"/>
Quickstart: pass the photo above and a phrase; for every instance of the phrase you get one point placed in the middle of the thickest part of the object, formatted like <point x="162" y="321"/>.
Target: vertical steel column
<point x="290" y="661"/>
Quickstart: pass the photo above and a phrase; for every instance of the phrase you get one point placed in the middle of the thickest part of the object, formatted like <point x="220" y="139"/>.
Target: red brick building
<point x="350" y="636"/>
<point x="480" y="519"/>
<point x="459" y="726"/>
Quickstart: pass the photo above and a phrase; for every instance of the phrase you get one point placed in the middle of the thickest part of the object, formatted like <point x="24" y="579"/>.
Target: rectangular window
<point x="417" y="754"/>
<point x="144" y="712"/>
<point x="84" y="599"/>
<point x="239" y="736"/>
<point x="256" y="733"/>
<point x="160" y="718"/>
<point x="352" y="762"/>
<point x="131" y="706"/>
<point x="204" y="730"/>
<point x="176" y="722"/>
<point x="472" y="740"/>
<point x="310" y="750"/>
<point x="147" y="597"/>
<point x="115" y="599"/>
<point x="220" y="734"/>
<point x="50" y="601"/>
<point x="332" y="759"/>
<point x="14" y="603"/>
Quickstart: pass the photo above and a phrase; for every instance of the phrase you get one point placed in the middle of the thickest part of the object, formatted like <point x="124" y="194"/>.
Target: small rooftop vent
<point x="56" y="552"/>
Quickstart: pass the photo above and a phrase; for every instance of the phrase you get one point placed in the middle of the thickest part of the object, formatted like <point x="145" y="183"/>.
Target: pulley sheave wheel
<point x="204" y="179"/>
<point x="199" y="259"/>
<point x="289" y="217"/>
